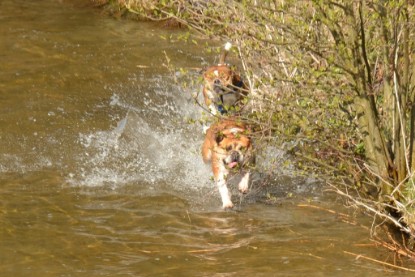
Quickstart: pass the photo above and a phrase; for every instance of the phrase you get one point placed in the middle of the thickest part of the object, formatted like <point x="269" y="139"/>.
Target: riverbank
<point x="101" y="175"/>
<point x="321" y="91"/>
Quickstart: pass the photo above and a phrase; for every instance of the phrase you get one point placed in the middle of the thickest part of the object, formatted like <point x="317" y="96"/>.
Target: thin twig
<point x="323" y="209"/>
<point x="358" y="256"/>
<point x="374" y="211"/>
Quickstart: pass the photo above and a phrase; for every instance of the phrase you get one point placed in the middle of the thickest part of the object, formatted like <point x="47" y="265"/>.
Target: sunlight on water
<point x="149" y="144"/>
<point x="101" y="173"/>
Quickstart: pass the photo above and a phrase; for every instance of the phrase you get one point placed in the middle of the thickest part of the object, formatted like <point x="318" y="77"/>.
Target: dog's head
<point x="219" y="79"/>
<point x="234" y="145"/>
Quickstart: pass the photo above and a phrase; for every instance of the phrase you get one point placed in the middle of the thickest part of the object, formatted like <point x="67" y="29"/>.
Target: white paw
<point x="243" y="184"/>
<point x="212" y="109"/>
<point x="227" y="205"/>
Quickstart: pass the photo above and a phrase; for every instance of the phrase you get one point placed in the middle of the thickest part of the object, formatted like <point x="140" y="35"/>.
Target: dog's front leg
<point x="212" y="109"/>
<point x="224" y="192"/>
<point x="243" y="184"/>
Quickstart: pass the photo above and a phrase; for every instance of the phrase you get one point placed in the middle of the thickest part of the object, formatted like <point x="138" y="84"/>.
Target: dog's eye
<point x="229" y="148"/>
<point x="243" y="149"/>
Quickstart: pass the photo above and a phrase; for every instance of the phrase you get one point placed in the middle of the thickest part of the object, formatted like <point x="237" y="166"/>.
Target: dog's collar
<point x="239" y="84"/>
<point x="222" y="109"/>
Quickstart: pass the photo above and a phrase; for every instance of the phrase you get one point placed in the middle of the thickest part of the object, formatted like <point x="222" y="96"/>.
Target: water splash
<point x="151" y="144"/>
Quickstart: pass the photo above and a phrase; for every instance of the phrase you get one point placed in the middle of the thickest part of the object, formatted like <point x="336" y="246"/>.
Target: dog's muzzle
<point x="235" y="156"/>
<point x="233" y="159"/>
<point x="218" y="87"/>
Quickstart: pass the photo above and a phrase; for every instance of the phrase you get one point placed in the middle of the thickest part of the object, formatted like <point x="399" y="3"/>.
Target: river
<point x="100" y="171"/>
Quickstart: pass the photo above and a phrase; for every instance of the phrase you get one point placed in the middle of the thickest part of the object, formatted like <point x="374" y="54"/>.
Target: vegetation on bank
<point x="332" y="78"/>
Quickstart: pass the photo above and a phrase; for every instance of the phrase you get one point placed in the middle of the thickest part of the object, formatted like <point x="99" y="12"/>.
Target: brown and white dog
<point x="228" y="147"/>
<point x="223" y="88"/>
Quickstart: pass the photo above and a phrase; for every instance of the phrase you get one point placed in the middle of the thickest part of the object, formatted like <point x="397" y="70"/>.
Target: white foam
<point x="148" y="145"/>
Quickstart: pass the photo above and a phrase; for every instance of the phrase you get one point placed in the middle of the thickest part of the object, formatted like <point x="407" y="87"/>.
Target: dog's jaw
<point x="233" y="159"/>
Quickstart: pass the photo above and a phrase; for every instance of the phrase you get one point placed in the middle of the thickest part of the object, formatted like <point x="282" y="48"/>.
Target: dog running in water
<point x="223" y="88"/>
<point x="227" y="146"/>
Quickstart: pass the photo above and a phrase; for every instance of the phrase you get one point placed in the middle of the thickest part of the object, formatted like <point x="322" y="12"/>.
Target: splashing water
<point x="151" y="144"/>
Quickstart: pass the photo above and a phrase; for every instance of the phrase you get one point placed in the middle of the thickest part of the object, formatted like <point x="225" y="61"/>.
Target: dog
<point x="223" y="88"/>
<point x="227" y="146"/>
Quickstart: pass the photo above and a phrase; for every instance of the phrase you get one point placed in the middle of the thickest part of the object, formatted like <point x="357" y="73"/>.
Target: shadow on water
<point x="101" y="173"/>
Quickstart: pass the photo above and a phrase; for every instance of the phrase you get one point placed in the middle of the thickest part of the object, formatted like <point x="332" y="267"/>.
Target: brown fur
<point x="223" y="86"/>
<point x="227" y="143"/>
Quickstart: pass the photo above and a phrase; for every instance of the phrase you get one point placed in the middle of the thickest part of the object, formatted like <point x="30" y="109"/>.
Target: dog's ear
<point x="219" y="137"/>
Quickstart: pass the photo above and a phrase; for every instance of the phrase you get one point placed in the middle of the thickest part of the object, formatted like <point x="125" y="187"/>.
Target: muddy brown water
<point x="100" y="173"/>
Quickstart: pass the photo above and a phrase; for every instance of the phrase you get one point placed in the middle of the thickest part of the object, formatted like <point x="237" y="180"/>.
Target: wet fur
<point x="223" y="88"/>
<point x="227" y="142"/>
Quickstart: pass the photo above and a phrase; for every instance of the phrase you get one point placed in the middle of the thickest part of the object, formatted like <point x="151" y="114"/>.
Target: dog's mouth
<point x="232" y="164"/>
<point x="232" y="160"/>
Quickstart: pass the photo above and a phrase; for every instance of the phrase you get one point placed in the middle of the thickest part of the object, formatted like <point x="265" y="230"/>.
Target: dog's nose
<point x="216" y="82"/>
<point x="235" y="156"/>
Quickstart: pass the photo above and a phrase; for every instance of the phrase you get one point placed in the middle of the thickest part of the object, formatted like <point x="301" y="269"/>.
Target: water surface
<point x="100" y="172"/>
